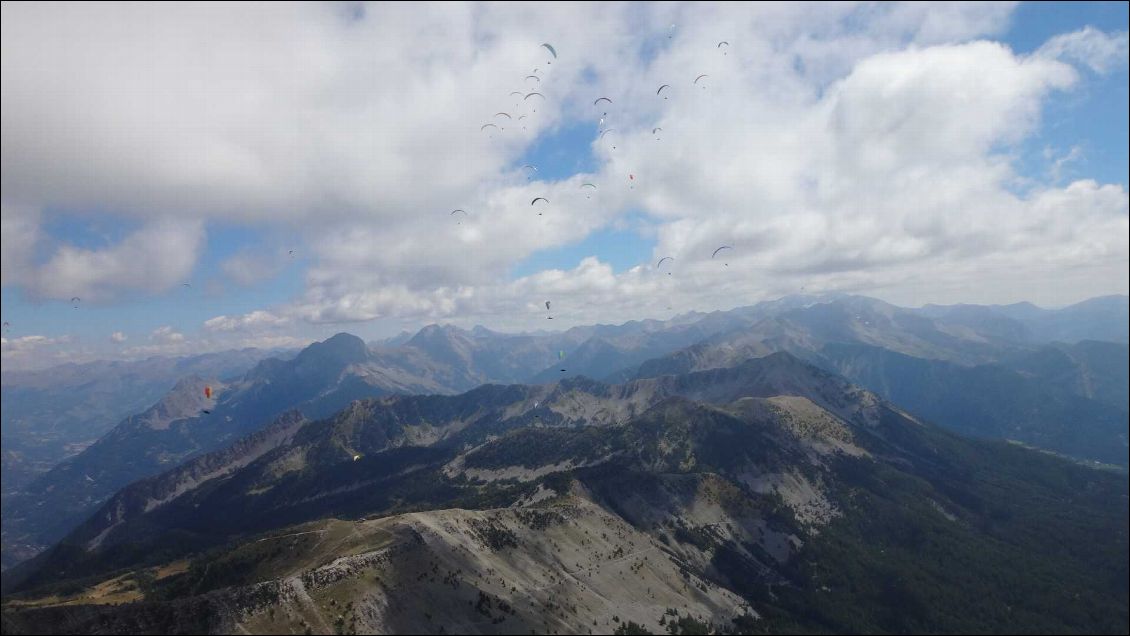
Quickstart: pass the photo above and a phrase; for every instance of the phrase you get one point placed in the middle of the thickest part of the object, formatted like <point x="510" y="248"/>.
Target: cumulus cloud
<point x="254" y="321"/>
<point x="153" y="258"/>
<point x="865" y="147"/>
<point x="33" y="351"/>
<point x="166" y="335"/>
<point x="1101" y="52"/>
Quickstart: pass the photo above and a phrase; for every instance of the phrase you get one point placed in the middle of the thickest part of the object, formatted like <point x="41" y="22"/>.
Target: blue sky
<point x="1082" y="134"/>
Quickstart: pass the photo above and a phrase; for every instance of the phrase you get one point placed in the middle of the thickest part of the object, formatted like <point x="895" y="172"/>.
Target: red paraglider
<point x="208" y="392"/>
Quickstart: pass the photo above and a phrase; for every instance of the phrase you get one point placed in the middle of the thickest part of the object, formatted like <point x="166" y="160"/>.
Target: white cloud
<point x="19" y="232"/>
<point x="166" y="335"/>
<point x="154" y="258"/>
<point x="118" y="337"/>
<point x="1101" y="52"/>
<point x="253" y="321"/>
<point x="864" y="147"/>
<point x="33" y="351"/>
<point x="248" y="268"/>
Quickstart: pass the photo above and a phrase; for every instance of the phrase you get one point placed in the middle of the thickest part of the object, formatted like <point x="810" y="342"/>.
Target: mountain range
<point x="771" y="495"/>
<point x="429" y="397"/>
<point x="52" y="414"/>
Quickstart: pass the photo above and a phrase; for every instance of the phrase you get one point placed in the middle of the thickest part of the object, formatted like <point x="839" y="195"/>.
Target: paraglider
<point x="547" y="310"/>
<point x="591" y="187"/>
<point x="700" y="77"/>
<point x="605" y="132"/>
<point x="528" y="77"/>
<point x="529" y="95"/>
<point x="552" y="50"/>
<point x="186" y="285"/>
<point x="506" y="115"/>
<point x="724" y="247"/>
<point x="531" y="170"/>
<point x="75" y="300"/>
<point x="605" y="113"/>
<point x="723" y="43"/>
<point x="661" y="90"/>
<point x="662" y="260"/>
<point x="540" y="199"/>
<point x="485" y="126"/>
<point x="207" y="392"/>
<point x="464" y="215"/>
<point x="655" y="131"/>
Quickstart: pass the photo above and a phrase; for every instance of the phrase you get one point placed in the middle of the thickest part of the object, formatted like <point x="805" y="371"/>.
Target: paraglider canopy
<point x="208" y="392"/>
<point x="529" y="95"/>
<point x="724" y="247"/>
<point x="552" y="50"/>
<point x="700" y="77"/>
<point x="75" y="300"/>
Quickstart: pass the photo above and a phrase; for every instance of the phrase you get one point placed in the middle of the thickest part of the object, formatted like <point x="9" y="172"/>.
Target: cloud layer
<point x="867" y="148"/>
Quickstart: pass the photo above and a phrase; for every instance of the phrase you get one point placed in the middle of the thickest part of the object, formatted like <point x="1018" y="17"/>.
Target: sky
<point x="184" y="178"/>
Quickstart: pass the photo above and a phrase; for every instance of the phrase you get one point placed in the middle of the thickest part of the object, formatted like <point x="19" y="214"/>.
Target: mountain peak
<point x="343" y="347"/>
<point x="433" y="334"/>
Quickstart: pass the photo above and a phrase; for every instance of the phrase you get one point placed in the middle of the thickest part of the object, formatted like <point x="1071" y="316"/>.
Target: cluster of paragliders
<point x="502" y="119"/>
